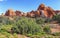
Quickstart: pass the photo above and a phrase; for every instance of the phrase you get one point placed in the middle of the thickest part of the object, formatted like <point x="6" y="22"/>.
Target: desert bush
<point x="57" y="18"/>
<point x="47" y="29"/>
<point x="29" y="35"/>
<point x="15" y="35"/>
<point x="40" y="20"/>
<point x="49" y="37"/>
<point x="8" y="35"/>
<point x="6" y="27"/>
<point x="26" y="26"/>
<point x="3" y="20"/>
<point x="35" y="36"/>
<point x="56" y="34"/>
<point x="48" y="20"/>
<point x="6" y="21"/>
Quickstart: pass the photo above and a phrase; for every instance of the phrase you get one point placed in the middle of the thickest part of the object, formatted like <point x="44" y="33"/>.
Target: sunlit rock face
<point x="50" y="12"/>
<point x="41" y="7"/>
<point x="37" y="13"/>
<point x="57" y="12"/>
<point x="42" y="11"/>
<point x="18" y="13"/>
<point x="10" y="12"/>
<point x="24" y="14"/>
<point x="46" y="11"/>
<point x="31" y="14"/>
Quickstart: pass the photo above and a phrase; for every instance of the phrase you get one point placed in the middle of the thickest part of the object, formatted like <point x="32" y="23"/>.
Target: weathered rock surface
<point x="46" y="11"/>
<point x="43" y="11"/>
<point x="41" y="7"/>
<point x="10" y="12"/>
<point x="18" y="13"/>
<point x="57" y="11"/>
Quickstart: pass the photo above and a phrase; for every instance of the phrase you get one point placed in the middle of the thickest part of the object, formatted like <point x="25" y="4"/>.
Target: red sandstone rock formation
<point x="10" y="12"/>
<point x="37" y="13"/>
<point x="31" y="14"/>
<point x="46" y="11"/>
<point x="18" y="13"/>
<point x="50" y="12"/>
<point x="57" y="11"/>
<point x="24" y="14"/>
<point x="42" y="10"/>
<point x="41" y="7"/>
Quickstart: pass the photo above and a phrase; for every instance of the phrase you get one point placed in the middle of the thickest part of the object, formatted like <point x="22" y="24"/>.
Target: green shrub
<point x="6" y="21"/>
<point x="48" y="20"/>
<point x="29" y="35"/>
<point x="47" y="29"/>
<point x="56" y="34"/>
<point x="26" y="26"/>
<point x="57" y="18"/>
<point x="35" y="36"/>
<point x="40" y="20"/>
<point x="49" y="37"/>
<point x="6" y="28"/>
<point x="8" y="35"/>
<point x="15" y="35"/>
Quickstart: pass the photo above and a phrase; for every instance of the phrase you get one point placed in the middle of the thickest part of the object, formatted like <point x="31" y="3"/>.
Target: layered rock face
<point x="31" y="14"/>
<point x="41" y="7"/>
<point x="10" y="12"/>
<point x="57" y="11"/>
<point x="37" y="13"/>
<point x="18" y="13"/>
<point x="42" y="11"/>
<point x="46" y="11"/>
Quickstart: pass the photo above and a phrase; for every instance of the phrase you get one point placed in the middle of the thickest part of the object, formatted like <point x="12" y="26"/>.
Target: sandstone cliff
<point x="10" y="12"/>
<point x="18" y="13"/>
<point x="42" y="11"/>
<point x="46" y="11"/>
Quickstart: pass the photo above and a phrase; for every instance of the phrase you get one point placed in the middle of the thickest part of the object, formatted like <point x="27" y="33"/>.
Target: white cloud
<point x="1" y="0"/>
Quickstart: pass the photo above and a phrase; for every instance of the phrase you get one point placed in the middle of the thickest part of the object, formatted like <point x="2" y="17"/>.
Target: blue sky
<point x="27" y="5"/>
